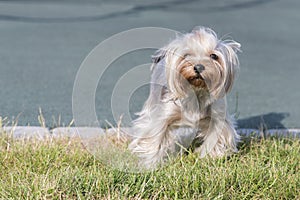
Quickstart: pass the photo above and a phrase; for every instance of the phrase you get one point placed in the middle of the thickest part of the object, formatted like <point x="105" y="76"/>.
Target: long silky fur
<point x="177" y="113"/>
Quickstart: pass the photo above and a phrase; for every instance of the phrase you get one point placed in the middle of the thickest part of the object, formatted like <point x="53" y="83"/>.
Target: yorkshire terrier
<point x="186" y="105"/>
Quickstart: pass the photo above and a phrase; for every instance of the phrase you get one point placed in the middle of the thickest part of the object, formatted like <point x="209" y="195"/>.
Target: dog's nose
<point x="199" y="68"/>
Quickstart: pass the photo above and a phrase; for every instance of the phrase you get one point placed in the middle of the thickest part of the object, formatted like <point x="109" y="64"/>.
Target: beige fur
<point x="185" y="104"/>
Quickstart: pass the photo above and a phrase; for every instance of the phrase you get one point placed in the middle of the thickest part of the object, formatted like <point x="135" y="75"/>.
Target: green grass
<point x="62" y="169"/>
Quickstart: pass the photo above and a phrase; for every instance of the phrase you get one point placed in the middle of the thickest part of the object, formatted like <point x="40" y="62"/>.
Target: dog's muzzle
<point x="198" y="80"/>
<point x="199" y="68"/>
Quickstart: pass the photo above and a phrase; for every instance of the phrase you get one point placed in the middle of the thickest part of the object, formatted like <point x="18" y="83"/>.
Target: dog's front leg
<point x="153" y="141"/>
<point x="219" y="138"/>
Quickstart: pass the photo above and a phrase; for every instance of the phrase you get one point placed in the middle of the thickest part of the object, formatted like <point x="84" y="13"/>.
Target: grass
<point x="62" y="169"/>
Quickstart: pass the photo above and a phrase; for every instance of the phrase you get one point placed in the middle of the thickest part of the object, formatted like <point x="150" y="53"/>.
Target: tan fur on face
<point x="188" y="72"/>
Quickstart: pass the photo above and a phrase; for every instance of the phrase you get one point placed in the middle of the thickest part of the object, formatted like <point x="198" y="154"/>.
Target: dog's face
<point x="199" y="60"/>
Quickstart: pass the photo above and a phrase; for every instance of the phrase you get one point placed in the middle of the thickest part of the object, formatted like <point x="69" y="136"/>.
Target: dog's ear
<point x="236" y="47"/>
<point x="229" y="50"/>
<point x="158" y="56"/>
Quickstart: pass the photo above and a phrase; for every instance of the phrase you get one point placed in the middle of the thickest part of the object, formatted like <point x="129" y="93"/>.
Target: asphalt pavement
<point x="43" y="43"/>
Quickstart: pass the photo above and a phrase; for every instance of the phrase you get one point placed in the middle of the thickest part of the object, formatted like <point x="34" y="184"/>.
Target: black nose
<point x="199" y="68"/>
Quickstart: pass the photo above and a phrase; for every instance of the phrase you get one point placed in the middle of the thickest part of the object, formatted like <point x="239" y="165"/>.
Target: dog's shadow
<point x="261" y="122"/>
<point x="267" y="121"/>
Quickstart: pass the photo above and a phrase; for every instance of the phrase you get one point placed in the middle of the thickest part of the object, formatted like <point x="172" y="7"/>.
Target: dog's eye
<point x="186" y="55"/>
<point x="214" y="56"/>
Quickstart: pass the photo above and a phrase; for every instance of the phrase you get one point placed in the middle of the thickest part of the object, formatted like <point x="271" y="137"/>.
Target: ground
<point x="63" y="169"/>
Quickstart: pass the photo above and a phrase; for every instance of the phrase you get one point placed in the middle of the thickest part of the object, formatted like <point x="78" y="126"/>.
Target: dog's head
<point x="201" y="61"/>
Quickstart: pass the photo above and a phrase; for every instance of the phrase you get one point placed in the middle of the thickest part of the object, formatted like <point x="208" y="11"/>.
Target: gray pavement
<point x="42" y="44"/>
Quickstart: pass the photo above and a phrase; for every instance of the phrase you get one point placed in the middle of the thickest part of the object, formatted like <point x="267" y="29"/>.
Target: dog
<point x="186" y="107"/>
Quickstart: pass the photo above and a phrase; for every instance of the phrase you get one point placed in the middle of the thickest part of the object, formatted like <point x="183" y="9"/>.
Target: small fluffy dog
<point x="187" y="106"/>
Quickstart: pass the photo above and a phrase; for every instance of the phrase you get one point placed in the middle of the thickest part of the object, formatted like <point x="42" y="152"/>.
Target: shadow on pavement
<point x="266" y="121"/>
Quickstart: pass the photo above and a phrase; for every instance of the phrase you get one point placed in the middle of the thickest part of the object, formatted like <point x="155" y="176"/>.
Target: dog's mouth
<point x="197" y="81"/>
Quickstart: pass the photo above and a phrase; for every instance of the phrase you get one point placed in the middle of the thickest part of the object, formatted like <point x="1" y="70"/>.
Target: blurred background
<point x="43" y="43"/>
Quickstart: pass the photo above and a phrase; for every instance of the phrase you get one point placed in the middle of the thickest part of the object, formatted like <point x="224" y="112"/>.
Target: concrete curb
<point x="82" y="132"/>
<point x="26" y="132"/>
<point x="29" y="132"/>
